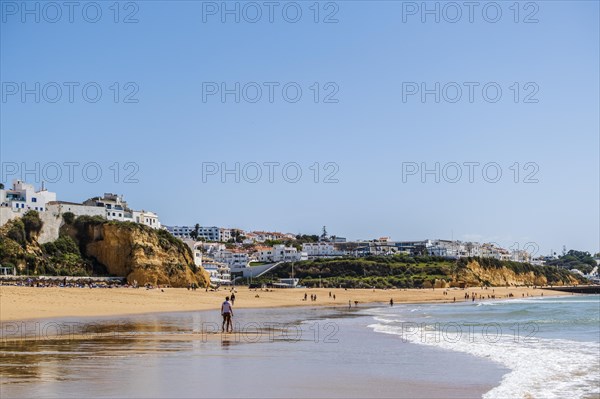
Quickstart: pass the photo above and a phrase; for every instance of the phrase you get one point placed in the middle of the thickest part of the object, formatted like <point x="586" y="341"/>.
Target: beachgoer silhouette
<point x="227" y="313"/>
<point x="391" y="301"/>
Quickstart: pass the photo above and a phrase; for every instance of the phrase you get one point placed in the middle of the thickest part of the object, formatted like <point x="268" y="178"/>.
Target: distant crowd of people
<point x="62" y="283"/>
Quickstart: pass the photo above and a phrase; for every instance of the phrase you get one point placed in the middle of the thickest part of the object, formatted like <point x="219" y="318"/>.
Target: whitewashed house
<point x="24" y="197"/>
<point x="320" y="249"/>
<point x="116" y="208"/>
<point x="281" y="253"/>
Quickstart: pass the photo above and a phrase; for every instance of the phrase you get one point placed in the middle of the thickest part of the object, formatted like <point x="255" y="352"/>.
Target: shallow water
<point x="301" y="352"/>
<point x="551" y="345"/>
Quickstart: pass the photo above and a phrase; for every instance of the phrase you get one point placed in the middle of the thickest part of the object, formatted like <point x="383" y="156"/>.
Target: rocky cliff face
<point x="476" y="275"/>
<point x="137" y="252"/>
<point x="19" y="245"/>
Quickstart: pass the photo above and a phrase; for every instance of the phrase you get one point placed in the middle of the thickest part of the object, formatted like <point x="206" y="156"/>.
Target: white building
<point x="489" y="250"/>
<point x="219" y="272"/>
<point x="539" y="261"/>
<point x="374" y="248"/>
<point x="520" y="256"/>
<point x="234" y="259"/>
<point x="319" y="249"/>
<point x="114" y="205"/>
<point x="413" y="247"/>
<point x="24" y="197"/>
<point x="146" y="217"/>
<point x="211" y="248"/>
<point x="116" y="209"/>
<point x="196" y="248"/>
<point x="262" y="236"/>
<point x="180" y="231"/>
<point x="281" y="253"/>
<point x="59" y="208"/>
<point x="211" y="233"/>
<point x="224" y="235"/>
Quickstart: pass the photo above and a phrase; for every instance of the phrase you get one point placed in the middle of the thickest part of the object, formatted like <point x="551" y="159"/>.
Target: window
<point x="33" y="199"/>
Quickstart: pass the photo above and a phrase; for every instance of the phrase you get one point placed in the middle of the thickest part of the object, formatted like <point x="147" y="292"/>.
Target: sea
<point x="550" y="347"/>
<point x="516" y="348"/>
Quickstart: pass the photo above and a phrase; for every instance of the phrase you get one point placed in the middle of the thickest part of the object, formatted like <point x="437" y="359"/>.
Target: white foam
<point x="384" y="320"/>
<point x="545" y="368"/>
<point x="547" y="301"/>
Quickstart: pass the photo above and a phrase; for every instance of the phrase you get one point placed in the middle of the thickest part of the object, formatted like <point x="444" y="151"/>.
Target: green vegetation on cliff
<point x="94" y="246"/>
<point x="403" y="271"/>
<point x="19" y="248"/>
<point x="580" y="260"/>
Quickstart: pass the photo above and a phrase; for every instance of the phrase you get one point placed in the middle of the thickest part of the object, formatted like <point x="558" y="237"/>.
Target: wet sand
<point x="26" y="303"/>
<point x="314" y="352"/>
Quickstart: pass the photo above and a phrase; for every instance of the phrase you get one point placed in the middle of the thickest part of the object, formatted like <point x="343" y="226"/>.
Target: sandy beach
<point x="25" y="303"/>
<point x="147" y="343"/>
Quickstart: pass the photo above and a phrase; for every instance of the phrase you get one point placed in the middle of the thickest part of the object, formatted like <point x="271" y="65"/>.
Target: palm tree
<point x="470" y="248"/>
<point x="194" y="233"/>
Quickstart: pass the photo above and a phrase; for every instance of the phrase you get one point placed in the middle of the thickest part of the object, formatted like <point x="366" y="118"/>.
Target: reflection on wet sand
<point x="275" y="352"/>
<point x="41" y="350"/>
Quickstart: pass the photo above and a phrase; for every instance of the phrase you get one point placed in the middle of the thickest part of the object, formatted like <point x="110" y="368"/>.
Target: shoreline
<point x="35" y="303"/>
<point x="396" y="366"/>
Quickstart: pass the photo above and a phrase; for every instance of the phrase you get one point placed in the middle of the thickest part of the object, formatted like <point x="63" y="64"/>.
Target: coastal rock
<point x="138" y="253"/>
<point x="440" y="283"/>
<point x="474" y="275"/>
<point x="437" y="283"/>
<point x="18" y="242"/>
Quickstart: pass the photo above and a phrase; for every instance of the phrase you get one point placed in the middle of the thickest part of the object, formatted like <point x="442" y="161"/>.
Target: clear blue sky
<point x="368" y="133"/>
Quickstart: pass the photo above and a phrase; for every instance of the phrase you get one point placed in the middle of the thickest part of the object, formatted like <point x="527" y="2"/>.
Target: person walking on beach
<point x="227" y="313"/>
<point x="233" y="298"/>
<point x="391" y="302"/>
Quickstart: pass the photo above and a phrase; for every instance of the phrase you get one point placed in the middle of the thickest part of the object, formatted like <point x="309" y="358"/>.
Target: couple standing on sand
<point x="227" y="313"/>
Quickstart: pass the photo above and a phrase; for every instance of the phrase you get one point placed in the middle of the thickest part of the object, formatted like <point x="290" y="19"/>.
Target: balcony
<point x="12" y="197"/>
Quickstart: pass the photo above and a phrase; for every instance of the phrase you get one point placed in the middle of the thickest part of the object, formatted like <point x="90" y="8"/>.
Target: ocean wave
<point x="547" y="301"/>
<point x="384" y="320"/>
<point x="487" y="304"/>
<point x="548" y="368"/>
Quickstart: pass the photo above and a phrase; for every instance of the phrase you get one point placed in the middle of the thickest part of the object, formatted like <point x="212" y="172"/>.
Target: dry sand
<point x="25" y="303"/>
